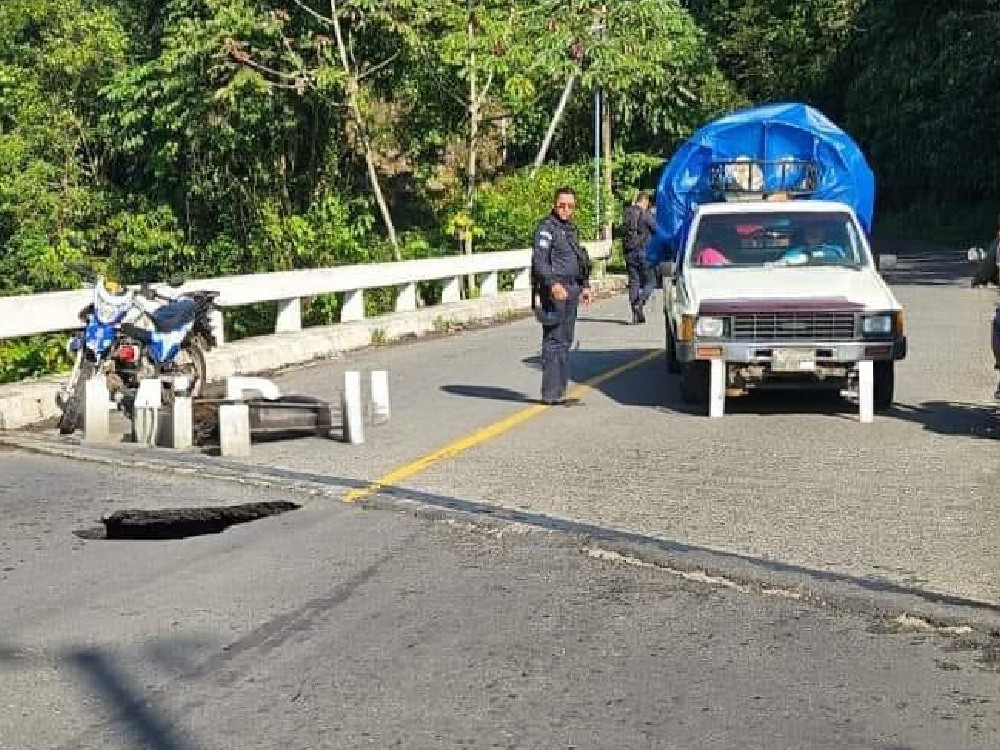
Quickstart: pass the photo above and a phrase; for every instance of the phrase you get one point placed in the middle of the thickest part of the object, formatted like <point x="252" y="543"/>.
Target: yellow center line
<point x="484" y="434"/>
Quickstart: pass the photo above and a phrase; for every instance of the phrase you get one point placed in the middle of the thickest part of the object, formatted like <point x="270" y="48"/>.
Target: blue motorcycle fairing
<point x="174" y="315"/>
<point x="98" y="337"/>
<point x="164" y="346"/>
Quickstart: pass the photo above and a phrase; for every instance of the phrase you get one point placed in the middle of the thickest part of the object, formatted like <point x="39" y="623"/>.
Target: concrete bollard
<point x="236" y="385"/>
<point x="177" y="429"/>
<point x="351" y="410"/>
<point x="234" y="430"/>
<point x="146" y="411"/>
<point x="866" y="391"/>
<point x="380" y="397"/>
<point x="717" y="389"/>
<point x="96" y="416"/>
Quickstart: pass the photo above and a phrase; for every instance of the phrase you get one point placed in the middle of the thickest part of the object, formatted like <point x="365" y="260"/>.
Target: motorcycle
<point x="176" y="335"/>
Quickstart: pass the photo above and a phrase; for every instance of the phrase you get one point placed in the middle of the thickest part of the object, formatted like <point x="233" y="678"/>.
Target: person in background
<point x="988" y="272"/>
<point x="638" y="227"/>
<point x="560" y="268"/>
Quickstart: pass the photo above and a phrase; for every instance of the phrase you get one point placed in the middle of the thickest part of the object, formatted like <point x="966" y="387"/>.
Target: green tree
<point x="53" y="60"/>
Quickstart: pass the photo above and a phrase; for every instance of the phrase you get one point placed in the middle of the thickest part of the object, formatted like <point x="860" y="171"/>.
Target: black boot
<point x="637" y="315"/>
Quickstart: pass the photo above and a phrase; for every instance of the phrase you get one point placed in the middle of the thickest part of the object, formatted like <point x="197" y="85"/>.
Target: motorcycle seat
<point x="174" y="315"/>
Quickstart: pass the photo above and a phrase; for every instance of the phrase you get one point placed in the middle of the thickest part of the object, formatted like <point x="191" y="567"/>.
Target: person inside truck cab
<point x="813" y="245"/>
<point x="711" y="246"/>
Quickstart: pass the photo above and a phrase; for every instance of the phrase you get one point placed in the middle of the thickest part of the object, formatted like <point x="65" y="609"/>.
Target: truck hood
<point x="814" y="286"/>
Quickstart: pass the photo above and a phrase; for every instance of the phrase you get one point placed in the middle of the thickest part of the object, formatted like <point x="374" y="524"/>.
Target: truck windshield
<point x="776" y="239"/>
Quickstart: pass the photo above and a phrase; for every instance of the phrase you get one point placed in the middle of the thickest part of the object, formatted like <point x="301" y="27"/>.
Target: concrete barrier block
<point x="238" y="385"/>
<point x="380" y="396"/>
<point x="717" y="389"/>
<point x="176" y="428"/>
<point x="351" y="409"/>
<point x="96" y="416"/>
<point x="146" y="412"/>
<point x="234" y="430"/>
<point x="866" y="391"/>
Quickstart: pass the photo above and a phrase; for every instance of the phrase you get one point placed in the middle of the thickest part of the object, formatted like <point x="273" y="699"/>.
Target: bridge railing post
<point x="490" y="286"/>
<point x="452" y="291"/>
<point x="406" y="297"/>
<point x="354" y="306"/>
<point x="289" y="316"/>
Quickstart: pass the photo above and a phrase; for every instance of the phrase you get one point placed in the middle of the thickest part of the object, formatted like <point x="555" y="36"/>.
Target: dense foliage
<point x="222" y="136"/>
<point x="914" y="83"/>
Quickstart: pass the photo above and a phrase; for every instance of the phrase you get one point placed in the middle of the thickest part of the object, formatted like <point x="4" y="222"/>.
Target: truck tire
<point x="695" y="382"/>
<point x="884" y="385"/>
<point x="670" y="352"/>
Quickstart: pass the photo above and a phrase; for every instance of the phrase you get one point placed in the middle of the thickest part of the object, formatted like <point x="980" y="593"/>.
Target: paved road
<point x="909" y="500"/>
<point x="336" y="626"/>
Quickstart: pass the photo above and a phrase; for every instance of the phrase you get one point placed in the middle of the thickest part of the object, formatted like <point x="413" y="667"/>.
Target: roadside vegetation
<point x="212" y="137"/>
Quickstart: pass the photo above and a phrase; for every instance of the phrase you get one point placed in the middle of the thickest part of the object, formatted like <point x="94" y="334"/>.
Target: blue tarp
<point x="768" y="134"/>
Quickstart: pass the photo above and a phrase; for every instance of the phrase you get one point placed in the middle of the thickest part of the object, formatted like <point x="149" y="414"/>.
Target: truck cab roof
<point x="771" y="206"/>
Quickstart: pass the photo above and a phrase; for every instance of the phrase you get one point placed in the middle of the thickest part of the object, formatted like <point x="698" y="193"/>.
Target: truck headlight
<point x="710" y="328"/>
<point x="876" y="325"/>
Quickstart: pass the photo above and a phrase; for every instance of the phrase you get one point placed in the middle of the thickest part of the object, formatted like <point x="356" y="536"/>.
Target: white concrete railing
<point x="31" y="314"/>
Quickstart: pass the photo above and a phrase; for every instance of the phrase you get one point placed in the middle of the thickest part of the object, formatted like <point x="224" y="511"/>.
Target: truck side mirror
<point x="886" y="262"/>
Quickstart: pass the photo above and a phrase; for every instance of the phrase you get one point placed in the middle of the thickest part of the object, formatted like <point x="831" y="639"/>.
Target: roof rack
<point x="745" y="179"/>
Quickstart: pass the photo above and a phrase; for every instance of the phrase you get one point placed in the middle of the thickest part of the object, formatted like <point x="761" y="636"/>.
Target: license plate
<point x="793" y="360"/>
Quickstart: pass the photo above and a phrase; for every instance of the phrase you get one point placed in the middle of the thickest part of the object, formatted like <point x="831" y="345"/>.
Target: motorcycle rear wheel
<point x="191" y="362"/>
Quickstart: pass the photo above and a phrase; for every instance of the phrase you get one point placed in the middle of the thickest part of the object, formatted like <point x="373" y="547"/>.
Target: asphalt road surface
<point x="910" y="499"/>
<point x="338" y="626"/>
<point x="378" y="624"/>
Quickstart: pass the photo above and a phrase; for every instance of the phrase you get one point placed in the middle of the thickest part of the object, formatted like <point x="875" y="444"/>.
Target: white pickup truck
<point x="786" y="293"/>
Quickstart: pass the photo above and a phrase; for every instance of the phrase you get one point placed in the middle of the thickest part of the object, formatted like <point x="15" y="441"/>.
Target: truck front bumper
<point x="829" y="353"/>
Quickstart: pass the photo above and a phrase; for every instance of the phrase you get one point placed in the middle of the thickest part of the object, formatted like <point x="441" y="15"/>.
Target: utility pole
<point x="598" y="29"/>
<point x="606" y="139"/>
<point x="597" y="159"/>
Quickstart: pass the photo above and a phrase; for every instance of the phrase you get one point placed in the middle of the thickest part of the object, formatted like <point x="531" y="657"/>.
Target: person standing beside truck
<point x="638" y="226"/>
<point x="560" y="269"/>
<point x="988" y="272"/>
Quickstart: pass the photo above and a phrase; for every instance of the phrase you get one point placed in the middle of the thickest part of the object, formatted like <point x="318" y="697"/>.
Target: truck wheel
<point x="884" y="385"/>
<point x="695" y="382"/>
<point x="670" y="353"/>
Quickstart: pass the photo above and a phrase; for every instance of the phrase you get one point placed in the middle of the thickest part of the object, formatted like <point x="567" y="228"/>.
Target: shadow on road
<point x="491" y="392"/>
<point x="618" y="321"/>
<point x="823" y="402"/>
<point x="952" y="418"/>
<point x="127" y="702"/>
<point x="649" y="385"/>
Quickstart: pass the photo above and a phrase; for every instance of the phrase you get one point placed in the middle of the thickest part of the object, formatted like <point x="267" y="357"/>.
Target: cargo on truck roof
<point x="779" y="152"/>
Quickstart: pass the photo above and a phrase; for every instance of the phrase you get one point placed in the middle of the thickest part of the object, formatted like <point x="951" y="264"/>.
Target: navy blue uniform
<point x="639" y="227"/>
<point x="557" y="256"/>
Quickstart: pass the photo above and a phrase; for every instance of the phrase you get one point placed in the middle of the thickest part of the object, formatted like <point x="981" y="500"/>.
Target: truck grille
<point x="816" y="326"/>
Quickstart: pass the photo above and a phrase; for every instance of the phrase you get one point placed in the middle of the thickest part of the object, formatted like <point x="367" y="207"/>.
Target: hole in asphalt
<point x="178" y="523"/>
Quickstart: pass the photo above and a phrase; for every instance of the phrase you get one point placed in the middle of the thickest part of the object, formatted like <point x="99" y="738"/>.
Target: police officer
<point x="561" y="272"/>
<point x="638" y="227"/>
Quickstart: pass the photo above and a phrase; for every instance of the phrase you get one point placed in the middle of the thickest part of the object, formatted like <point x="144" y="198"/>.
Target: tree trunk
<point x="470" y="172"/>
<point x="503" y="141"/>
<point x="553" y="123"/>
<point x="352" y="100"/>
<point x="606" y="148"/>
